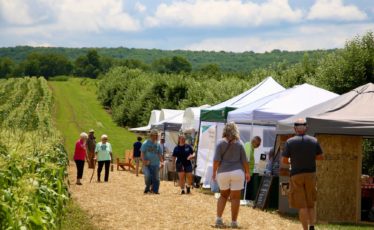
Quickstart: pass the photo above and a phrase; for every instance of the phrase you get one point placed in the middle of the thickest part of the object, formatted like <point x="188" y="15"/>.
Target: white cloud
<point x="335" y="10"/>
<point x="216" y="13"/>
<point x="70" y="15"/>
<point x="300" y="38"/>
<point x="140" y="7"/>
<point x="18" y="12"/>
<point x="95" y="15"/>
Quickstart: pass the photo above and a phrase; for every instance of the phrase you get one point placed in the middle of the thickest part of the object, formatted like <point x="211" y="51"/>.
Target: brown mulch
<point x="121" y="204"/>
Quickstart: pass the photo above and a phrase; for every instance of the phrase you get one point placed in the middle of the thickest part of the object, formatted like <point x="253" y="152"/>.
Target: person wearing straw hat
<point x="91" y="145"/>
<point x="151" y="156"/>
<point x="80" y="156"/>
<point x="230" y="169"/>
<point x="103" y="156"/>
<point x="303" y="151"/>
<point x="182" y="155"/>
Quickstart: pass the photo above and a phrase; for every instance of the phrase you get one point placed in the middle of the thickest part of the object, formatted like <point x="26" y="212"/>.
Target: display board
<point x="263" y="192"/>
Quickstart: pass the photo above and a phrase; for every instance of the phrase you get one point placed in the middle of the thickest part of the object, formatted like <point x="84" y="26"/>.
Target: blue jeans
<point x="152" y="177"/>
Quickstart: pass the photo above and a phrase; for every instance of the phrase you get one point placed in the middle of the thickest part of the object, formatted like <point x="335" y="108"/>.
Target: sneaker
<point x="219" y="223"/>
<point x="182" y="192"/>
<point x="146" y="191"/>
<point x="311" y="227"/>
<point x="79" y="183"/>
<point x="188" y="190"/>
<point x="234" y="224"/>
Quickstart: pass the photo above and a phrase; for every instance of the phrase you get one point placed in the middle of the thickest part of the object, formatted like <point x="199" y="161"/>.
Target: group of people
<point x="86" y="149"/>
<point x="231" y="169"/>
<point x="232" y="166"/>
<point x="151" y="153"/>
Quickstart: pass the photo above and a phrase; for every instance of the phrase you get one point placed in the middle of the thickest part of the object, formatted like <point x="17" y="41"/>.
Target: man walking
<point x="151" y="156"/>
<point x="303" y="151"/>
<point x="91" y="145"/>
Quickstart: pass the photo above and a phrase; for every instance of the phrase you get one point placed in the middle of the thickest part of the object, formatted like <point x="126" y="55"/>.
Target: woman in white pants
<point x="230" y="169"/>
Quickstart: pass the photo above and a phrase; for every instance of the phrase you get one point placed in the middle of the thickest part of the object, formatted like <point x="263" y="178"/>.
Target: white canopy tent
<point x="281" y="105"/>
<point x="191" y="118"/>
<point x="266" y="87"/>
<point x="155" y="117"/>
<point x="262" y="115"/>
<point x="214" y="118"/>
<point x="170" y="126"/>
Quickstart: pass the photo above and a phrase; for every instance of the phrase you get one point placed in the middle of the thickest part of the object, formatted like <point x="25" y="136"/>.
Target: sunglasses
<point x="300" y="124"/>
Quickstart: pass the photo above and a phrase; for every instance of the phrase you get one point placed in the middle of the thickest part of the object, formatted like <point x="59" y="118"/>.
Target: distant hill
<point x="228" y="61"/>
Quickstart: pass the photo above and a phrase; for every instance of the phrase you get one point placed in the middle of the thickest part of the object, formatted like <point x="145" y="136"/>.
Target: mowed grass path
<point x="77" y="109"/>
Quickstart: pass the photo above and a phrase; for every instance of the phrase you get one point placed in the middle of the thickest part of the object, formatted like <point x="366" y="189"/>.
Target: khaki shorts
<point x="303" y="192"/>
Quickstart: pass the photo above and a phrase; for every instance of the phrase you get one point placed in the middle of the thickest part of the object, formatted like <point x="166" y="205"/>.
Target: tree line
<point x="86" y="62"/>
<point x="132" y="94"/>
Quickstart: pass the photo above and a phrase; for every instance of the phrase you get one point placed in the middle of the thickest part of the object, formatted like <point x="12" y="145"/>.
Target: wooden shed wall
<point x="338" y="196"/>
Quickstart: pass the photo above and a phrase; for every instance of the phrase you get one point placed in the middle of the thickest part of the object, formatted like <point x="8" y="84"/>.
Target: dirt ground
<point x="121" y="204"/>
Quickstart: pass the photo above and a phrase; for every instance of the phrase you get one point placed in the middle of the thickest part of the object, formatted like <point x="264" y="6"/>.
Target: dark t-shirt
<point x="182" y="153"/>
<point x="302" y="149"/>
<point x="137" y="146"/>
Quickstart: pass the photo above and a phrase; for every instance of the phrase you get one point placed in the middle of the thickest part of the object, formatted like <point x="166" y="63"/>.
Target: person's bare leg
<point x="311" y="216"/>
<point x="137" y="167"/>
<point x="181" y="179"/>
<point x="235" y="204"/>
<point x="189" y="179"/>
<point x="221" y="204"/>
<point x="303" y="217"/>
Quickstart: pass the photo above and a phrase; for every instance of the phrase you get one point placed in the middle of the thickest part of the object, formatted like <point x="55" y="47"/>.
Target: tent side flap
<point x="219" y="115"/>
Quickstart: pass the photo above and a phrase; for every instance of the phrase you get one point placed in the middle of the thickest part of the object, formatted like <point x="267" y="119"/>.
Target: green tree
<point x="175" y="64"/>
<point x="348" y="68"/>
<point x="211" y="69"/>
<point x="88" y="65"/>
<point x="179" y="65"/>
<point x="46" y="65"/>
<point x="6" y="67"/>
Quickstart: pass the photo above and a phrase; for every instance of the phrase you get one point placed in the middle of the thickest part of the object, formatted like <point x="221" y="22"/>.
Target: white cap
<point x="104" y="136"/>
<point x="84" y="135"/>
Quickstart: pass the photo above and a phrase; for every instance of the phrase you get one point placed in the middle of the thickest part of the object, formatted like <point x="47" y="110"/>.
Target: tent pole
<point x="197" y="146"/>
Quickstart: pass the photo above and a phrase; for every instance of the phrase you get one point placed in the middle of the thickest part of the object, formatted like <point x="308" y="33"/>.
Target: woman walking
<point x="230" y="168"/>
<point x="182" y="155"/>
<point x="104" y="156"/>
<point x="80" y="156"/>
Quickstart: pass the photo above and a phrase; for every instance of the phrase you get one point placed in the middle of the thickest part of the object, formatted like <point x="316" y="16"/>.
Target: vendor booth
<point x="212" y="121"/>
<point x="340" y="125"/>
<point x="261" y="117"/>
<point x="191" y="123"/>
<point x="155" y="117"/>
<point x="169" y="128"/>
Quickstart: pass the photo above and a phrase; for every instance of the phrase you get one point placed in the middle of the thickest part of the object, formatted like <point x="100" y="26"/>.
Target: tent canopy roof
<point x="173" y="120"/>
<point x="191" y="117"/>
<point x="266" y="87"/>
<point x="351" y="114"/>
<point x="218" y="113"/>
<point x="281" y="105"/>
<point x="155" y="117"/>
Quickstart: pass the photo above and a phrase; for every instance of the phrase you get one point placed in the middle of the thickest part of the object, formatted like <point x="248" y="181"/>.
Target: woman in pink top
<point x="80" y="156"/>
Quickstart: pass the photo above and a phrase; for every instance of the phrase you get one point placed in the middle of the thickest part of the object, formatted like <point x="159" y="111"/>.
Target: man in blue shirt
<point x="151" y="156"/>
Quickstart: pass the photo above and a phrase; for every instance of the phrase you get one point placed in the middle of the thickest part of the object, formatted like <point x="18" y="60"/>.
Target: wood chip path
<point x="121" y="204"/>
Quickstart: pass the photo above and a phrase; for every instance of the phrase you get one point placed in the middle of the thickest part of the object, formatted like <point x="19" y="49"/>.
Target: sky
<point x="212" y="25"/>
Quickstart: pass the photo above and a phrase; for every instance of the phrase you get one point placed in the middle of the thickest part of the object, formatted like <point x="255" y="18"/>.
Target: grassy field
<point x="77" y="109"/>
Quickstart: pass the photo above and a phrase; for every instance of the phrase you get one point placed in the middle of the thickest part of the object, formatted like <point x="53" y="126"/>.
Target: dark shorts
<point x="187" y="168"/>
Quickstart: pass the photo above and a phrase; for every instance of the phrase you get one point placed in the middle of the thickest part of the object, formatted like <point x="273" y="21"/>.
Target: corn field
<point x="33" y="162"/>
